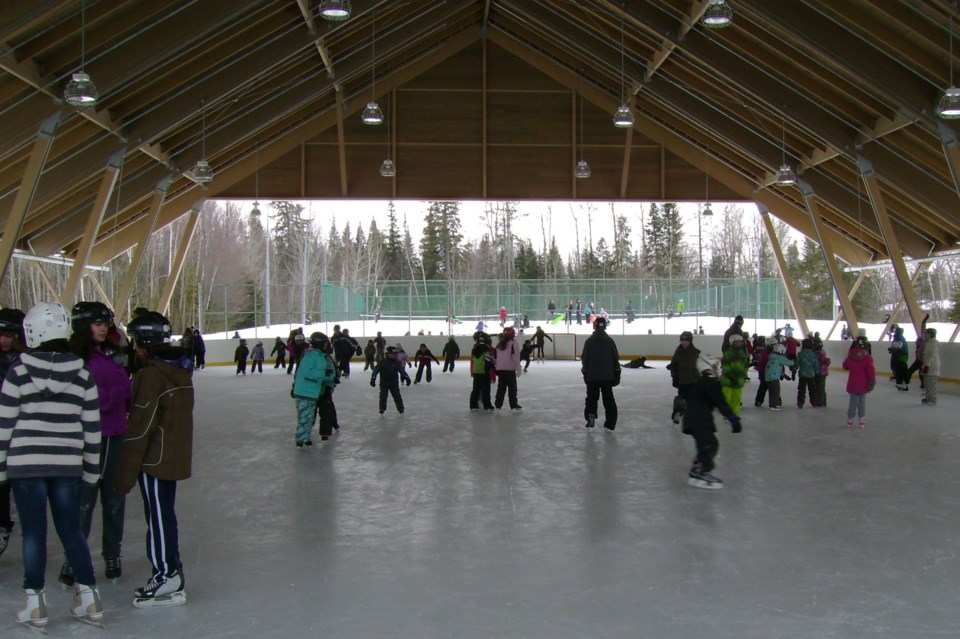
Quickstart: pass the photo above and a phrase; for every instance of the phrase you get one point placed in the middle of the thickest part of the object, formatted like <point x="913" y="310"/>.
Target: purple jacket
<point x="862" y="377"/>
<point x="113" y="385"/>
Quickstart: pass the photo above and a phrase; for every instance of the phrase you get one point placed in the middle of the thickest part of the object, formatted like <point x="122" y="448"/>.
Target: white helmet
<point x="780" y="349"/>
<point x="708" y="364"/>
<point x="44" y="322"/>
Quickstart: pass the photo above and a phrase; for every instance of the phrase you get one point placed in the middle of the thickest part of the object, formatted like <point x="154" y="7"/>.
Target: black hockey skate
<point x="591" y="421"/>
<point x="66" y="575"/>
<point x="161" y="590"/>
<point x="113" y="567"/>
<point x="699" y="478"/>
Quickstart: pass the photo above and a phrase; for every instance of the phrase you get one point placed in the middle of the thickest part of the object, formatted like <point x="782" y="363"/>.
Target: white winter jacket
<point x="931" y="357"/>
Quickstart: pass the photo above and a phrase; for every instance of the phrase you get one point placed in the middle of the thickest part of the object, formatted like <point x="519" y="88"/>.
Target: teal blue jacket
<point x="314" y="375"/>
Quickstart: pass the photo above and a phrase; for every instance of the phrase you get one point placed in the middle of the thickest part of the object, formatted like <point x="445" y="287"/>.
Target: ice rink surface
<point x="444" y="522"/>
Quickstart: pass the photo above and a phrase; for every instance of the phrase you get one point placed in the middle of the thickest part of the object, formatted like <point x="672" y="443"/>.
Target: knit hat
<point x="738" y="319"/>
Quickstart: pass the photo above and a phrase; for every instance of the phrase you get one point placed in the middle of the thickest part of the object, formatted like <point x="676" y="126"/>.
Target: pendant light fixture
<point x="623" y="118"/>
<point x="949" y="106"/>
<point x="80" y="90"/>
<point x="372" y="114"/>
<point x="202" y="173"/>
<point x="786" y="176"/>
<point x="707" y="211"/>
<point x="335" y="10"/>
<point x="718" y="15"/>
<point x="583" y="169"/>
<point x="387" y="169"/>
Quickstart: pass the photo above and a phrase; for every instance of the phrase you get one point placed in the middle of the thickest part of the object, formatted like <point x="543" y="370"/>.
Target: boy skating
<point x="702" y="397"/>
<point x="391" y="371"/>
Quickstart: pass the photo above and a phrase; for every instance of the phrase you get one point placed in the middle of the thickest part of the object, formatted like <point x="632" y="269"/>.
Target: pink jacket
<point x="862" y="377"/>
<point x="507" y="359"/>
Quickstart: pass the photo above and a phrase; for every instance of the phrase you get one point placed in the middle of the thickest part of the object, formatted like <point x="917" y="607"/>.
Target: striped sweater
<point x="49" y="419"/>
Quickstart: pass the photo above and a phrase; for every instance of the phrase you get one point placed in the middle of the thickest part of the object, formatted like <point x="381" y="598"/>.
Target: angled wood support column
<point x="123" y="297"/>
<point x="177" y="266"/>
<point x="90" y="275"/>
<point x="853" y="293"/>
<point x="890" y="239"/>
<point x="955" y="332"/>
<point x="92" y="228"/>
<point x="46" y="280"/>
<point x="788" y="284"/>
<point x="341" y="145"/>
<point x="28" y="187"/>
<point x="921" y="267"/>
<point x="951" y="151"/>
<point x="813" y="208"/>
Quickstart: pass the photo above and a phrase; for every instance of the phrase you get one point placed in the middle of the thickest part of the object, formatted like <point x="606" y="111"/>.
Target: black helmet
<point x="11" y="321"/>
<point x="150" y="329"/>
<point x="318" y="340"/>
<point x="600" y="324"/>
<point x="83" y="314"/>
<point x="391" y="350"/>
<point x="686" y="335"/>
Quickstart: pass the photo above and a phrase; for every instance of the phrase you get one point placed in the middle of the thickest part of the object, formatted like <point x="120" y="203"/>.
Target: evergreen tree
<point x="440" y="243"/>
<point x="664" y="246"/>
<point x="526" y="264"/>
<point x="622" y="259"/>
<point x="288" y="227"/>
<point x="393" y="259"/>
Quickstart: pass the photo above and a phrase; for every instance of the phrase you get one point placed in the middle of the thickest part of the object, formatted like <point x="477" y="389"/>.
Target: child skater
<point x="807" y="368"/>
<point x="11" y="346"/>
<point x="157" y="451"/>
<point x="702" y="398"/>
<point x="450" y="354"/>
<point x="424" y="358"/>
<point x="823" y="369"/>
<point x="507" y="361"/>
<point x="257" y="355"/>
<point x="777" y="362"/>
<point x="734" y="363"/>
<point x="50" y="451"/>
<point x="310" y="382"/>
<point x="481" y="371"/>
<point x="525" y="352"/>
<point x="391" y="371"/>
<point x="860" y="380"/>
<point x="240" y="357"/>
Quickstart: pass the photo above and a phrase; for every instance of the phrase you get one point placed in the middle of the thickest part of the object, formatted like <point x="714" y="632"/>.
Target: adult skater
<point x="391" y="371"/>
<point x="683" y="372"/>
<point x="425" y="359"/>
<point x="450" y="353"/>
<point x="49" y="451"/>
<point x="600" y="365"/>
<point x="538" y="343"/>
<point x="280" y="352"/>
<point x="507" y="362"/>
<point x="703" y="396"/>
<point x="481" y="371"/>
<point x="91" y="322"/>
<point x="157" y="452"/>
<point x="735" y="329"/>
<point x="11" y="346"/>
<point x="313" y="377"/>
<point x="344" y="348"/>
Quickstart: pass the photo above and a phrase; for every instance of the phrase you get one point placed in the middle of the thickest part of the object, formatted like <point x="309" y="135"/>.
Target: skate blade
<point x="175" y="599"/>
<point x="33" y="626"/>
<point x="708" y="485"/>
<point x="90" y="622"/>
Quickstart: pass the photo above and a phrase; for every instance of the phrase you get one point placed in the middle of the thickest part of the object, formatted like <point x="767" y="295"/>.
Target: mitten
<point x="735" y="424"/>
<point x="584" y="373"/>
<point x="407" y="381"/>
<point x="373" y="384"/>
<point x="616" y="378"/>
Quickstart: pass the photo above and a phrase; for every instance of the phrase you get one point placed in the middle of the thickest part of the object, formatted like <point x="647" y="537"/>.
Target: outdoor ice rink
<point x="447" y="523"/>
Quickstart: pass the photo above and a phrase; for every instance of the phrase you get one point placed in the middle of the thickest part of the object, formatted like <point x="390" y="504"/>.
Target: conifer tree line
<point x="224" y="273"/>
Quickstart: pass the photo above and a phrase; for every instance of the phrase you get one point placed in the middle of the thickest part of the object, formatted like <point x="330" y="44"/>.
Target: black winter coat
<point x="600" y="360"/>
<point x="704" y="396"/>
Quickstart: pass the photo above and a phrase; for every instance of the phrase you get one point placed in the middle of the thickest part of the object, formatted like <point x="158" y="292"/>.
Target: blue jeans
<point x="63" y="493"/>
<point x="113" y="503"/>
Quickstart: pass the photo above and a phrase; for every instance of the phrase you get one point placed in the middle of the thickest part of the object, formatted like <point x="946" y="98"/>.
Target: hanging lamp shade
<point x="387" y="169"/>
<point x="623" y="118"/>
<point x="202" y="172"/>
<point x="255" y="211"/>
<point x="335" y="10"/>
<point x="786" y="176"/>
<point x="949" y="106"/>
<point x="707" y="211"/>
<point x="718" y="15"/>
<point x="583" y="170"/>
<point x="372" y="114"/>
<point x="81" y="91"/>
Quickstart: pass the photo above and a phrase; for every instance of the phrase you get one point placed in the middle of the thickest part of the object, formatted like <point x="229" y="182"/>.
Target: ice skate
<point x="113" y="568"/>
<point x="850" y="423"/>
<point x="66" y="575"/>
<point x="87" y="607"/>
<point x="591" y="421"/>
<point x="863" y="422"/>
<point x="703" y="479"/>
<point x="161" y="590"/>
<point x="34" y="616"/>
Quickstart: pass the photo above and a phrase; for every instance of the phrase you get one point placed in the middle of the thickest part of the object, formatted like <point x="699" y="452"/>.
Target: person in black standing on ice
<point x="381" y="344"/>
<point x="683" y="372"/>
<point x="600" y="365"/>
<point x="579" y="309"/>
<point x="551" y="309"/>
<point x="199" y="350"/>
<point x="296" y="345"/>
<point x="280" y="352"/>
<point x="538" y="343"/>
<point x="391" y="371"/>
<point x="451" y="352"/>
<point x="735" y="329"/>
<point x="424" y="358"/>
<point x="344" y="348"/>
<point x="240" y="356"/>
